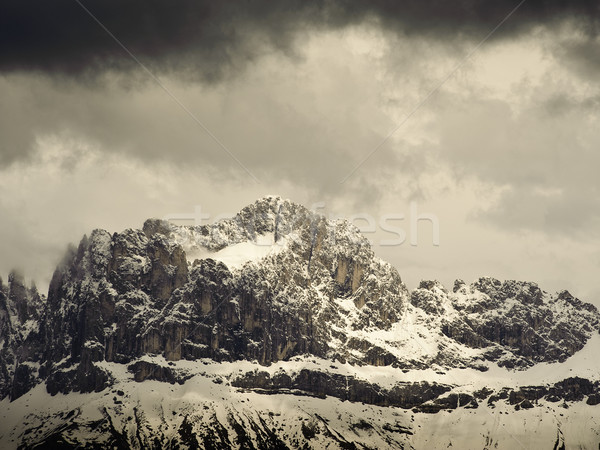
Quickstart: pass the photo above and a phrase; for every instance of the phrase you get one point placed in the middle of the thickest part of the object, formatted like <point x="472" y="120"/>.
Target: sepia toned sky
<point x="484" y="114"/>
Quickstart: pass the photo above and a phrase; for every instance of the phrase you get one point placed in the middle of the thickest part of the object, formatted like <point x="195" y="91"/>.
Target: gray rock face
<point x="310" y="382"/>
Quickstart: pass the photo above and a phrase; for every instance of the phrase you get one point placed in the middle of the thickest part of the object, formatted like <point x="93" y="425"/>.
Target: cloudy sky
<point x="482" y="113"/>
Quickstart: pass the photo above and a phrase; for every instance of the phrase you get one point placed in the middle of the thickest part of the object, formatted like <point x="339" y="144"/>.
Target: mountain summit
<point x="170" y="336"/>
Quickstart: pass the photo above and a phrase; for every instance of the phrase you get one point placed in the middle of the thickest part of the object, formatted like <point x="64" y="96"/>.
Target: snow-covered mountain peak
<point x="263" y="228"/>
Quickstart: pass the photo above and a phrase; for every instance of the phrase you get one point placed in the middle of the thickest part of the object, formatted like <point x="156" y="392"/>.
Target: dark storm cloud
<point x="211" y="40"/>
<point x="315" y="138"/>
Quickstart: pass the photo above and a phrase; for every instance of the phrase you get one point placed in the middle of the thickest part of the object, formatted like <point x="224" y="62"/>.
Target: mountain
<point x="278" y="328"/>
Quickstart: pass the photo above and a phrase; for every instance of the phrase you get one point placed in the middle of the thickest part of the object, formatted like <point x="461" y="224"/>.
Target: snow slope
<point x="142" y="411"/>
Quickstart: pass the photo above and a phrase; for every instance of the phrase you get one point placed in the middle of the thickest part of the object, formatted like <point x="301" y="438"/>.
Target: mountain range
<point x="279" y="328"/>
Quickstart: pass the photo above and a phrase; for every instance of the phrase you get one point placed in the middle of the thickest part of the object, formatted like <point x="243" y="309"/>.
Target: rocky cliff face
<point x="21" y="331"/>
<point x="276" y="284"/>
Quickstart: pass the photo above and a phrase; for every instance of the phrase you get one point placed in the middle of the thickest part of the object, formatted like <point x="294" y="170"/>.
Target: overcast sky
<point x="482" y="113"/>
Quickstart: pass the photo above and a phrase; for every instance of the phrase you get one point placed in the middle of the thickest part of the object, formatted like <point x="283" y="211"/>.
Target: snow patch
<point x="236" y="255"/>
